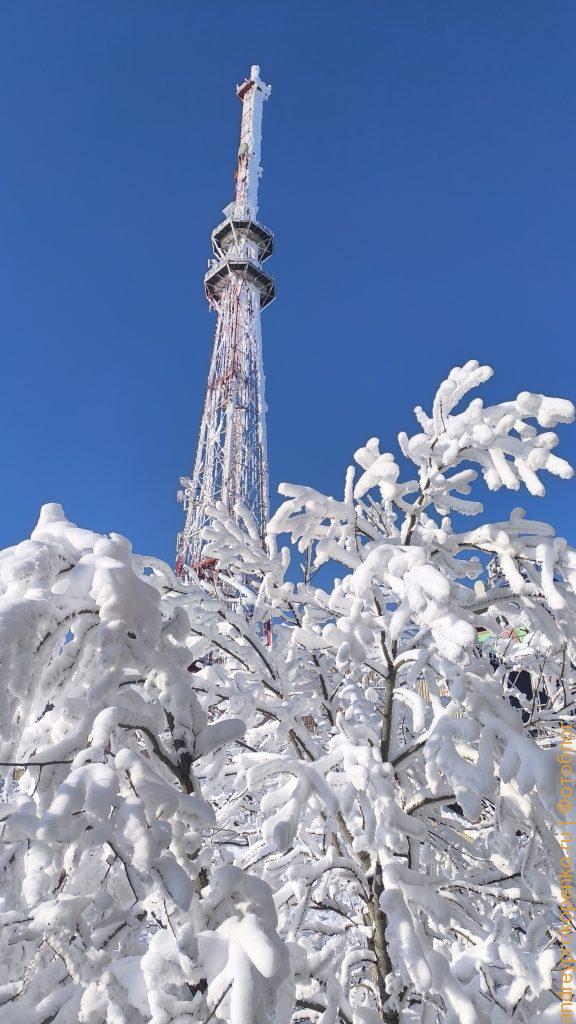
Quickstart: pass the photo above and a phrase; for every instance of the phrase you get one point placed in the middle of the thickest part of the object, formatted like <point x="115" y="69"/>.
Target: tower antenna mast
<point x="231" y="464"/>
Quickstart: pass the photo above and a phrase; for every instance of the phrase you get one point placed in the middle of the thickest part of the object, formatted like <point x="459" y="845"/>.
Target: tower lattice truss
<point x="231" y="463"/>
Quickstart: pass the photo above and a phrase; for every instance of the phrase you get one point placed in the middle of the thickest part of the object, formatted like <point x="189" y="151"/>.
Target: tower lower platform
<point x="218" y="276"/>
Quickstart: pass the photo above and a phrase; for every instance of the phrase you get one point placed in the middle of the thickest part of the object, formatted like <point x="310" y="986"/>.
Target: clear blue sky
<point x="419" y="169"/>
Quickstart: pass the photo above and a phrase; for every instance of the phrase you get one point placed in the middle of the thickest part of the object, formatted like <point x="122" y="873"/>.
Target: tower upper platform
<point x="231" y="231"/>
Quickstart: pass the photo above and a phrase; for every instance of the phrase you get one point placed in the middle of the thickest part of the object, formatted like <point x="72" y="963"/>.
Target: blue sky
<point x="419" y="168"/>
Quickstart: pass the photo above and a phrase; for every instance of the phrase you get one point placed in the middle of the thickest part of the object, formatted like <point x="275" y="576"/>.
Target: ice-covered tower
<point x="231" y="459"/>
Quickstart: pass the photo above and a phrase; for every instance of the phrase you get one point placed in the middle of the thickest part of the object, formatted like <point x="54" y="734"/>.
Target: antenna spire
<point x="253" y="92"/>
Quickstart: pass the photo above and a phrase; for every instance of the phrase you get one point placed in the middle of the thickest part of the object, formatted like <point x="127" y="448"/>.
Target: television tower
<point x="231" y="459"/>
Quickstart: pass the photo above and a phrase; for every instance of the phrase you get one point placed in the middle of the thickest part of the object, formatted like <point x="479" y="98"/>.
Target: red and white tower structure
<point x="231" y="463"/>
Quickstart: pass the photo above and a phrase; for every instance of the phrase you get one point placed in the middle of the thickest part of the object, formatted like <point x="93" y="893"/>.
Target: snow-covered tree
<point x="352" y="824"/>
<point x="113" y="908"/>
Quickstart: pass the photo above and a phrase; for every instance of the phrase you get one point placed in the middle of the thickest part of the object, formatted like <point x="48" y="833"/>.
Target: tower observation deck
<point x="231" y="464"/>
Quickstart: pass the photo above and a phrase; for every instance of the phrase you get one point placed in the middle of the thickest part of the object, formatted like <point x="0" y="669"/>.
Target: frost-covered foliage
<point x="352" y="824"/>
<point x="113" y="907"/>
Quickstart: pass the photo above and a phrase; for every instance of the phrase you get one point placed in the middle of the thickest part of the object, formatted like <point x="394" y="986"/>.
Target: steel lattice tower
<point x="231" y="459"/>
